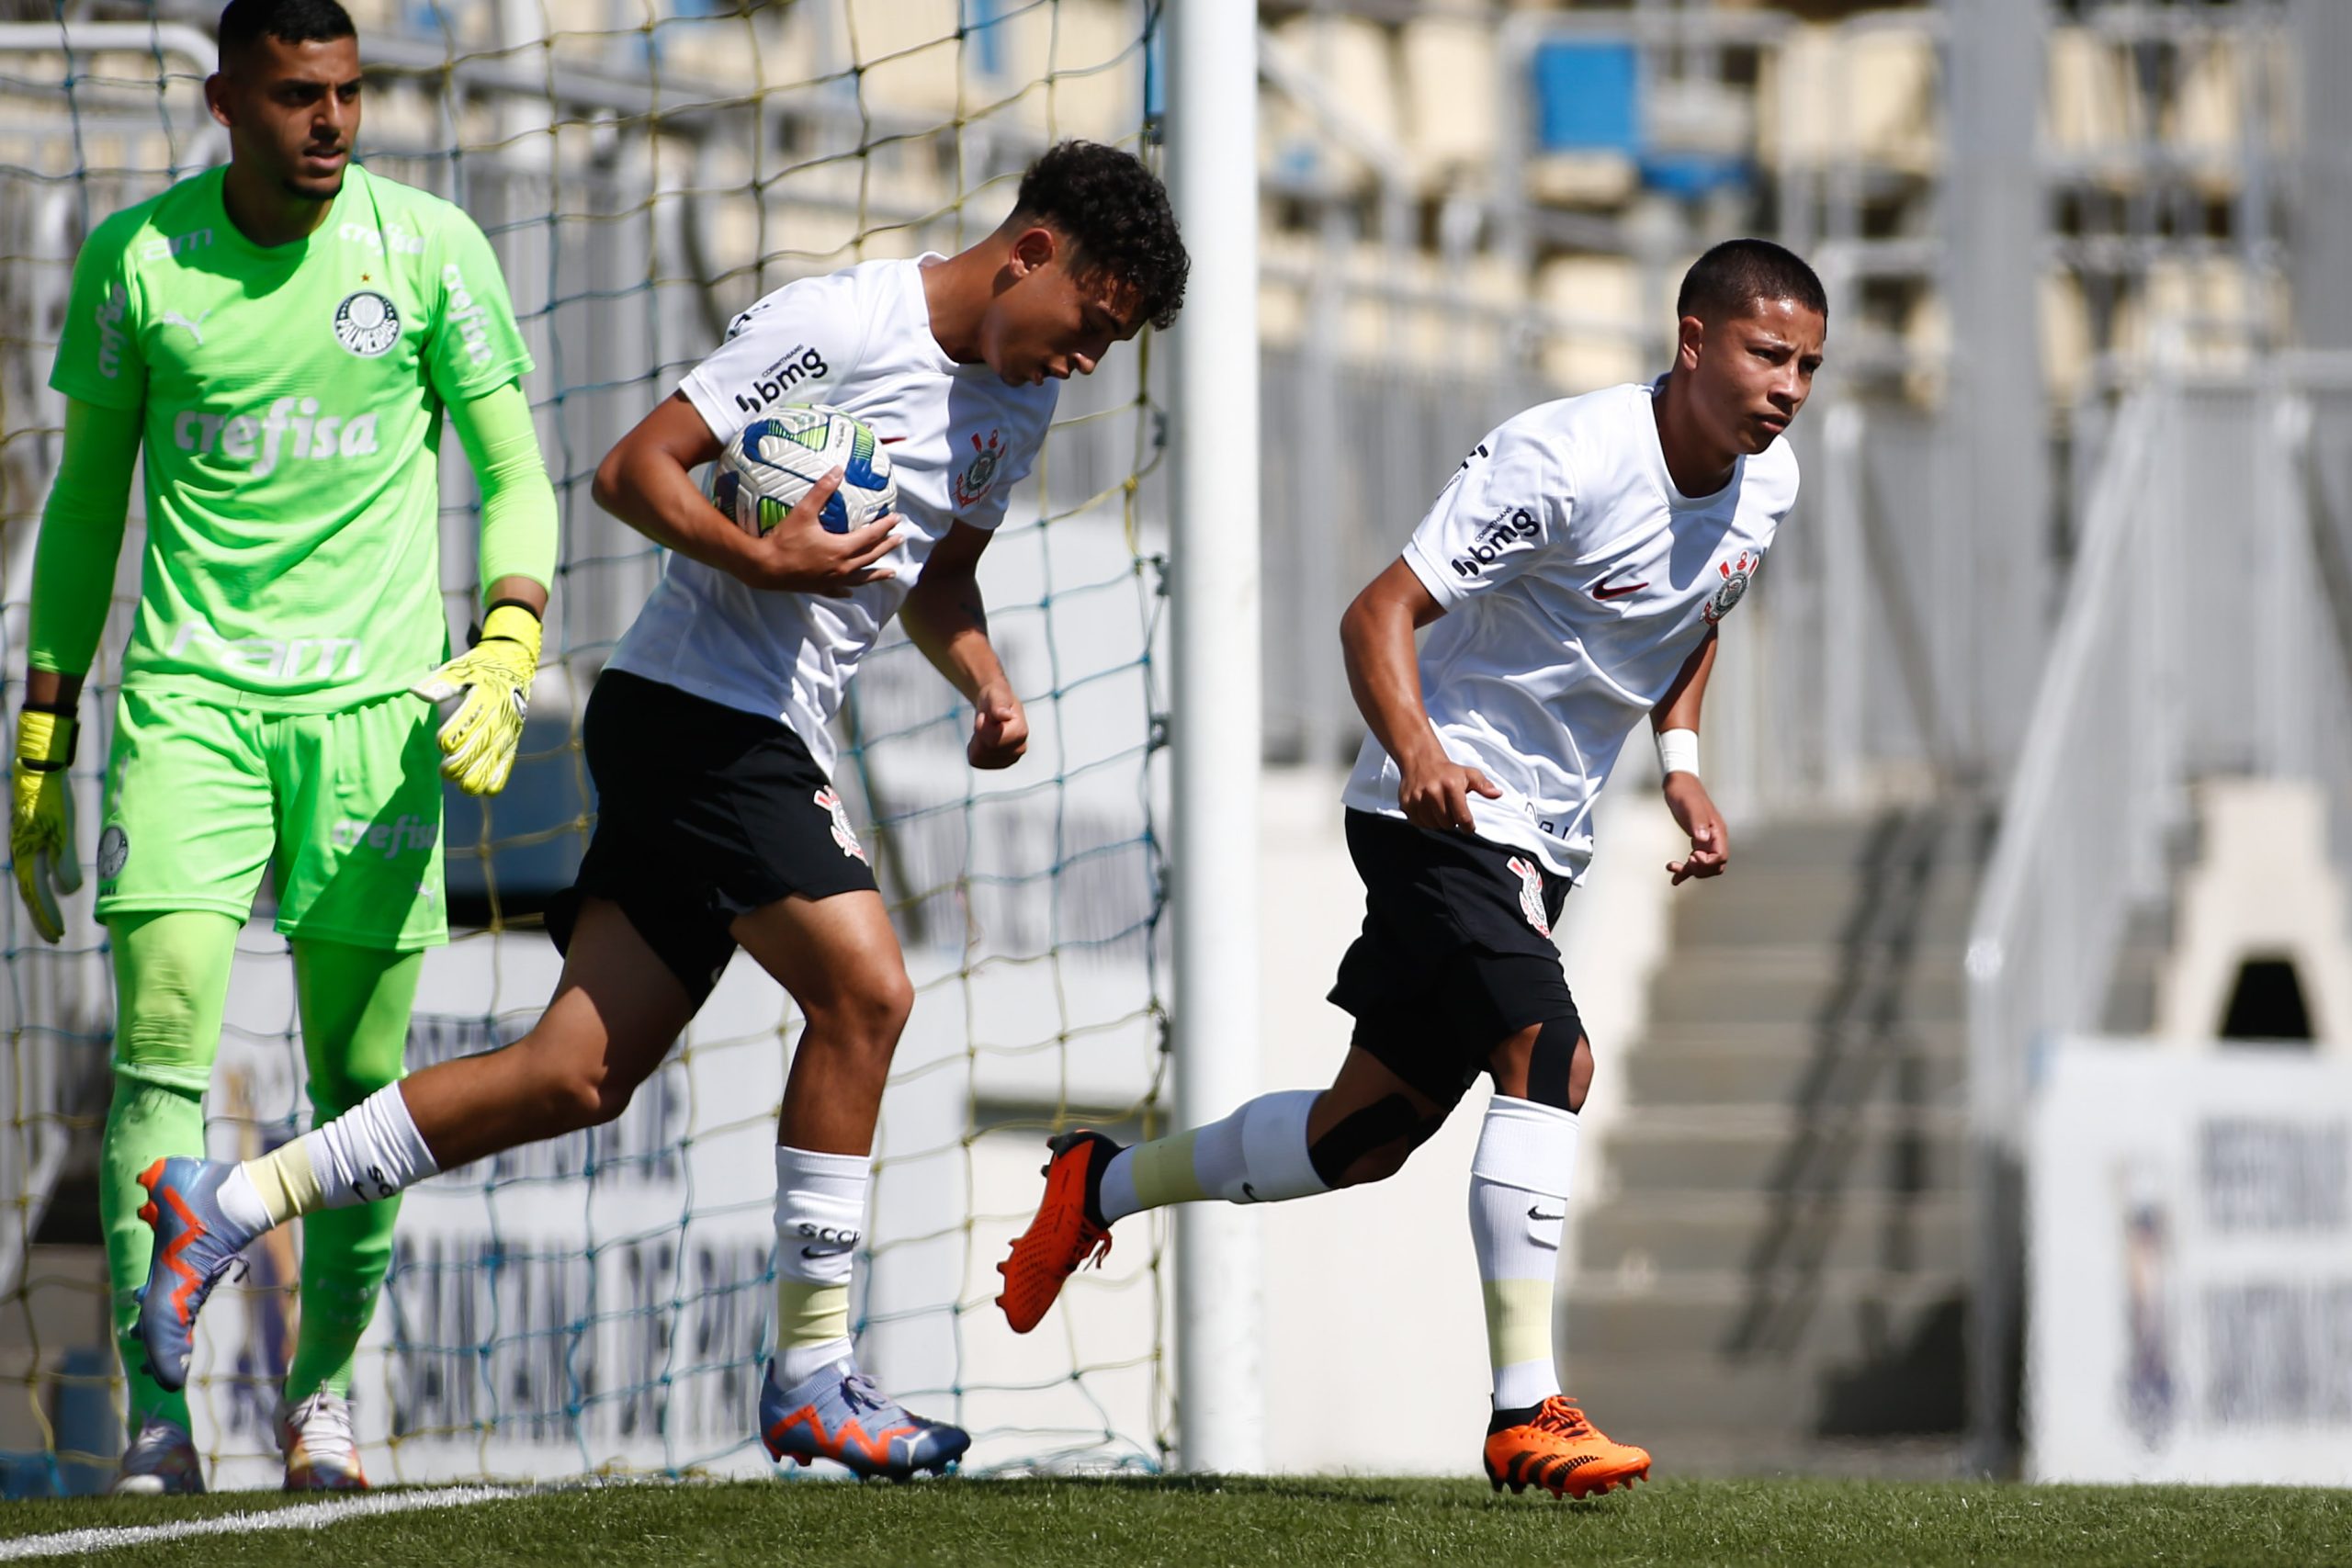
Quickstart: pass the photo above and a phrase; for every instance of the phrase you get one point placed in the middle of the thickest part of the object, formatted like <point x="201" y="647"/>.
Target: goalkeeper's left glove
<point x="40" y="817"/>
<point x="478" y="741"/>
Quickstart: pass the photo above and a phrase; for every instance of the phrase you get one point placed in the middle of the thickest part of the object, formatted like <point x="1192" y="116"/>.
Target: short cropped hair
<point x="1730" y="278"/>
<point x="1116" y="215"/>
<point x="246" y="22"/>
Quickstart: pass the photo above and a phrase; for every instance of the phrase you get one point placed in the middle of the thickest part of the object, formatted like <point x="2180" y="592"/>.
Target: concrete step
<point x="1827" y="844"/>
<point x="1812" y="906"/>
<point x="1873" y="1148"/>
<point x="1649" y="1234"/>
<point x="1731" y="985"/>
<point x="1735" y="1072"/>
<point x="1847" y="1316"/>
<point x="1934" y="1037"/>
<point x="1912" y="1386"/>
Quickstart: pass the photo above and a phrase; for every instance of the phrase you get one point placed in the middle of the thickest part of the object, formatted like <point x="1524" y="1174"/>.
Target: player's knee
<point x="1559" y="1064"/>
<point x="156" y="1031"/>
<point x="1372" y="1144"/>
<point x="869" y="1017"/>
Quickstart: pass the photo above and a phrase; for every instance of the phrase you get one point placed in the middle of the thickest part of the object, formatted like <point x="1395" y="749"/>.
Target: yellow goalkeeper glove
<point x="478" y="741"/>
<point x="40" y="818"/>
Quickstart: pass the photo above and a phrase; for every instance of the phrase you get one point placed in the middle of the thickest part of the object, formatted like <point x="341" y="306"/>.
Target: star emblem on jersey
<point x="980" y="476"/>
<point x="1530" y="894"/>
<point x="843" y="834"/>
<point x="366" y="323"/>
<point x="1735" y="574"/>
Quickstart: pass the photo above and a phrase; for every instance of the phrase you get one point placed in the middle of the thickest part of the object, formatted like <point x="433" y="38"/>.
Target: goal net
<point x="645" y="169"/>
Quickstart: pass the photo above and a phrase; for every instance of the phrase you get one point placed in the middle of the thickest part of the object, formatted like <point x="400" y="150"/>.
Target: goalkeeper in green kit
<point x="282" y="338"/>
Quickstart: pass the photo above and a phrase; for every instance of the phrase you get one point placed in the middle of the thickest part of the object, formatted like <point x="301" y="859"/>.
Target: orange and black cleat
<point x="1557" y="1449"/>
<point x="1069" y="1230"/>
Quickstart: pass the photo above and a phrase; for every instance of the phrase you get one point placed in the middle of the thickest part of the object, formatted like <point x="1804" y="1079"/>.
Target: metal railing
<point x="2205" y="632"/>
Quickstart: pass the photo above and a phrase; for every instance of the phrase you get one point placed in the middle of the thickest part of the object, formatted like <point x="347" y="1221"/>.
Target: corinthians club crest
<point x="1735" y="575"/>
<point x="980" y="476"/>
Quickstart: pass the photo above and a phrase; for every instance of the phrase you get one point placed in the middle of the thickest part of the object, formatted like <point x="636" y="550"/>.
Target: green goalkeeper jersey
<point x="291" y="427"/>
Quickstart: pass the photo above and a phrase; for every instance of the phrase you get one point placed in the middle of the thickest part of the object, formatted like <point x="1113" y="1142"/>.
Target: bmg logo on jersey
<point x="391" y="839"/>
<point x="1517" y="526"/>
<point x="263" y="442"/>
<point x="801" y="365"/>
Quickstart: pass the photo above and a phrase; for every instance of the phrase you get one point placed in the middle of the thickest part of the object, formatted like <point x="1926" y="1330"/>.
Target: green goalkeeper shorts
<point x="343" y="808"/>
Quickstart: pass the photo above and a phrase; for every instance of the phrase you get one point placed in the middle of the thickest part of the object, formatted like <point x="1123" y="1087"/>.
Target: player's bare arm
<point x="946" y="617"/>
<point x="1376" y="636"/>
<point x="1686" y="796"/>
<point x="647" y="481"/>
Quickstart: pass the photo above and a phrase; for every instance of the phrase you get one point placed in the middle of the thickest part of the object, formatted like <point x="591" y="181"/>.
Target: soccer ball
<point x="763" y="473"/>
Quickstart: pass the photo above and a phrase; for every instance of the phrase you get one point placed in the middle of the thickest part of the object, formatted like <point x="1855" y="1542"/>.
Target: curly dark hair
<point x="246" y="22"/>
<point x="1730" y="278"/>
<point x="1116" y="214"/>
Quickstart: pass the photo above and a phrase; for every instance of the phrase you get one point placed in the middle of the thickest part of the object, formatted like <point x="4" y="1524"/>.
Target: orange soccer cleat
<point x="1559" y="1450"/>
<point x="1066" y="1232"/>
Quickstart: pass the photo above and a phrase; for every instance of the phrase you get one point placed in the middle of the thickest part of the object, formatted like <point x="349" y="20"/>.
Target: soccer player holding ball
<point x="1572" y="573"/>
<point x="707" y="735"/>
<point x="282" y="338"/>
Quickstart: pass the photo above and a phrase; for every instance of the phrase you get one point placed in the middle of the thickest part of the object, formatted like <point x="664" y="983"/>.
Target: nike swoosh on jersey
<point x="1602" y="591"/>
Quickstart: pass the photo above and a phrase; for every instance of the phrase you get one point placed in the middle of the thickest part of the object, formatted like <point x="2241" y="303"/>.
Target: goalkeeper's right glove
<point x="40" y="817"/>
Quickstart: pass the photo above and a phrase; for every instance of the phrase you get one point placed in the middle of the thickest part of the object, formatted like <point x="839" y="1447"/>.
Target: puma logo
<point x="194" y="328"/>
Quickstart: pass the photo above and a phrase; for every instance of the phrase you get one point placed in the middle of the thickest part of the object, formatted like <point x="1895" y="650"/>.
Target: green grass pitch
<point x="1307" y="1520"/>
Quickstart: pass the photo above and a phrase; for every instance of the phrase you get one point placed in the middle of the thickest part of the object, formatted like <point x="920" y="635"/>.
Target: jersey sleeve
<point x="787" y="348"/>
<point x="474" y="345"/>
<point x="98" y="359"/>
<point x="1506" y="504"/>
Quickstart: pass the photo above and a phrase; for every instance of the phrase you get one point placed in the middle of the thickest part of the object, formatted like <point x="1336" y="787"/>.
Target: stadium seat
<point x="2065" y="330"/>
<point x="1092" y="51"/>
<point x="2205" y="120"/>
<point x="1597" y="288"/>
<point x="1829" y="94"/>
<point x="2093" y="110"/>
<point x="910" y="57"/>
<point x="1350" y="58"/>
<point x="1451" y="99"/>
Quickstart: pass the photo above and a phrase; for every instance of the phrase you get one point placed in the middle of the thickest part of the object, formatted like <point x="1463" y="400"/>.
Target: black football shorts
<point x="1457" y="953"/>
<point x="704" y="812"/>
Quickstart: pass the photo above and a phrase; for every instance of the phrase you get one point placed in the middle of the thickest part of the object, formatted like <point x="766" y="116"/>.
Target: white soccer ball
<point x="762" y="474"/>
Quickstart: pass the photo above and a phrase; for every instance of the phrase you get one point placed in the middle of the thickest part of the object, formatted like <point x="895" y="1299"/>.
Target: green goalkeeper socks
<point x="171" y="981"/>
<point x="355" y="1003"/>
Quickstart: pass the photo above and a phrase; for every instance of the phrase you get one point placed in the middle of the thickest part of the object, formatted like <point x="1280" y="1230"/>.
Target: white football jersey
<point x="1576" y="580"/>
<point x="958" y="437"/>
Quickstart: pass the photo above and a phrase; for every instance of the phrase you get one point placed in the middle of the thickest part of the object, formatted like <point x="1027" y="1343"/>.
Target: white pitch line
<point x="299" y="1517"/>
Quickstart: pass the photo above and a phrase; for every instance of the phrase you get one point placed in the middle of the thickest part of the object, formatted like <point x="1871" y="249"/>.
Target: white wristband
<point x="1678" y="751"/>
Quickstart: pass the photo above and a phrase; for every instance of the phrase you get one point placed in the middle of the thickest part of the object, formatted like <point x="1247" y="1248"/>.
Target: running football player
<point x="707" y="736"/>
<point x="280" y="340"/>
<point x="1573" y="573"/>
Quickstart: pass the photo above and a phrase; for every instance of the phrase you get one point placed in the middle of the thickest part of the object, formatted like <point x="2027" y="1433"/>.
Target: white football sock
<point x="1258" y="1155"/>
<point x="820" y="1221"/>
<point x="1519" y="1189"/>
<point x="370" y="1152"/>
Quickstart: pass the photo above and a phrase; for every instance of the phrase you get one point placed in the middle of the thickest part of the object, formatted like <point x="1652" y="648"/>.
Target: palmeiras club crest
<point x="1735" y="575"/>
<point x="843" y="834"/>
<point x="1530" y="894"/>
<point x="979" y="475"/>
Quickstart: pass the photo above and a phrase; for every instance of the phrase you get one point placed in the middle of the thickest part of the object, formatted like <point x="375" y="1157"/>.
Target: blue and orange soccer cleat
<point x="195" y="1244"/>
<point x="838" y="1414"/>
<point x="1067" y="1231"/>
<point x="161" y="1461"/>
<point x="1557" y="1449"/>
